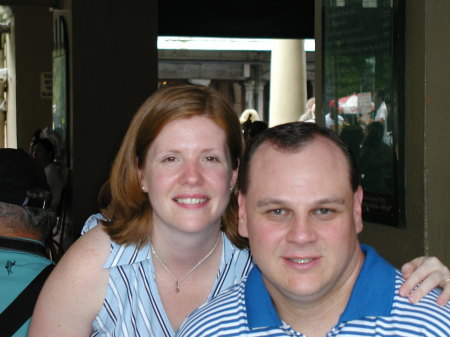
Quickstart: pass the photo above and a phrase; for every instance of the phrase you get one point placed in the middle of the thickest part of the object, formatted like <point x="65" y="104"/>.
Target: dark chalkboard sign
<point x="363" y="96"/>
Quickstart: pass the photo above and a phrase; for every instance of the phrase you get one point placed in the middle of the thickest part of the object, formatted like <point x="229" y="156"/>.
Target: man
<point x="300" y="208"/>
<point x="25" y="224"/>
<point x="381" y="116"/>
<point x="44" y="153"/>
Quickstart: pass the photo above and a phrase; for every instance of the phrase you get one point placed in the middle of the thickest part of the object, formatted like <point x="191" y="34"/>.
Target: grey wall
<point x="32" y="29"/>
<point x="114" y="64"/>
<point x="427" y="137"/>
<point x="113" y="59"/>
<point x="435" y="108"/>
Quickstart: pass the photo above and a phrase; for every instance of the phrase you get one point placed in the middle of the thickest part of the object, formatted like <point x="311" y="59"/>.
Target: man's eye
<point x="278" y="212"/>
<point x="324" y="211"/>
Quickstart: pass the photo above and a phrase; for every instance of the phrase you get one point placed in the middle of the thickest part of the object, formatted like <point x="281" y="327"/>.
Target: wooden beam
<point x="46" y="3"/>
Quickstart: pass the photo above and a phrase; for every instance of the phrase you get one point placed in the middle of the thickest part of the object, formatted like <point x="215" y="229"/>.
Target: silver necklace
<point x="181" y="279"/>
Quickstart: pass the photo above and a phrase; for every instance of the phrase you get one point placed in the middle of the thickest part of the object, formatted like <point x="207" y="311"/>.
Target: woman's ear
<point x="141" y="177"/>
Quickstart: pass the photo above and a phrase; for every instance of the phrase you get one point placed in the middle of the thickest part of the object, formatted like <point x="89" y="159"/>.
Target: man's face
<point x="302" y="219"/>
<point x="40" y="154"/>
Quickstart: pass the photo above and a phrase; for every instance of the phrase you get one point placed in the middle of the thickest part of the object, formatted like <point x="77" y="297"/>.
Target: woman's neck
<point x="185" y="271"/>
<point x="180" y="250"/>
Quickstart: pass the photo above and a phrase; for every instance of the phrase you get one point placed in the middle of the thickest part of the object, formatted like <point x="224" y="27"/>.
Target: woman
<point x="171" y="242"/>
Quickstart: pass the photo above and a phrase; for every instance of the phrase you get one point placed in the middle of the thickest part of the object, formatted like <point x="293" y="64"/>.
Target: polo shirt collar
<point x="372" y="294"/>
<point x="260" y="309"/>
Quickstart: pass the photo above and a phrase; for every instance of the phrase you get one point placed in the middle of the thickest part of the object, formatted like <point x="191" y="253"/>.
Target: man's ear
<point x="242" y="221"/>
<point x="357" y="209"/>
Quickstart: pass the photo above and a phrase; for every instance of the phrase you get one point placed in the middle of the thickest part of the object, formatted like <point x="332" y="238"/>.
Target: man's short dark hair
<point x="292" y="137"/>
<point x="27" y="219"/>
<point x="24" y="194"/>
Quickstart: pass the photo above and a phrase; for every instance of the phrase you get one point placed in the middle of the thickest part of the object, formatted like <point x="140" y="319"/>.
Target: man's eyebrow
<point x="270" y="201"/>
<point x="281" y="202"/>
<point x="331" y="200"/>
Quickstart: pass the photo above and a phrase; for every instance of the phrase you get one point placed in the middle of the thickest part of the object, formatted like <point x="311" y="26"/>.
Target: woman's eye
<point x="169" y="159"/>
<point x="211" y="158"/>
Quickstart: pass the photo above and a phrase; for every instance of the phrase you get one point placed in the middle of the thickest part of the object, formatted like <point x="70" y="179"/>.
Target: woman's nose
<point x="192" y="174"/>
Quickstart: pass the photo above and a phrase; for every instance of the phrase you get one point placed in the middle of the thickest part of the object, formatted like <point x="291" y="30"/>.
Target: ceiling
<point x="232" y="18"/>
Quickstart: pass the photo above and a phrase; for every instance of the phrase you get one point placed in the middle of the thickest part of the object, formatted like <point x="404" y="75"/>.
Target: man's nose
<point x="301" y="230"/>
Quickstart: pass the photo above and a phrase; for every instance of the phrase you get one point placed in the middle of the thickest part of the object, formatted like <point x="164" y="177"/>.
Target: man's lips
<point x="301" y="261"/>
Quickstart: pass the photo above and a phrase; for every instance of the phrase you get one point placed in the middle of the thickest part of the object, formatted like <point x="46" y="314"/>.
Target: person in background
<point x="375" y="161"/>
<point x="312" y="277"/>
<point x="168" y="240"/>
<point x="44" y="152"/>
<point x="35" y="136"/>
<point x="25" y="224"/>
<point x="310" y="111"/>
<point x="251" y="123"/>
<point x="381" y="116"/>
<point x="257" y="127"/>
<point x="331" y="123"/>
<point x="249" y="115"/>
<point x="353" y="136"/>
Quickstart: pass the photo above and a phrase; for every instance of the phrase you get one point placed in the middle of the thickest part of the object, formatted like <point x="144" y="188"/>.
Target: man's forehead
<point x="321" y="154"/>
<point x="268" y="146"/>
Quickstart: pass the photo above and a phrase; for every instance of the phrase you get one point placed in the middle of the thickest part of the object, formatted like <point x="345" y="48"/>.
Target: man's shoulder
<point x="225" y="310"/>
<point x="426" y="315"/>
<point x="19" y="269"/>
<point x="425" y="318"/>
<point x="378" y="308"/>
<point x="230" y="299"/>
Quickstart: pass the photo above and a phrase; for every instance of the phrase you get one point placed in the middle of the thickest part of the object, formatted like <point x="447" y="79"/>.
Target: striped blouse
<point x="132" y="306"/>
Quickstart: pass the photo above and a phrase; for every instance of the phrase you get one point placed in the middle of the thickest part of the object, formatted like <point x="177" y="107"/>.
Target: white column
<point x="260" y="106"/>
<point x="249" y="94"/>
<point x="287" y="82"/>
<point x="238" y="106"/>
<point x="11" y="118"/>
<point x="200" y="81"/>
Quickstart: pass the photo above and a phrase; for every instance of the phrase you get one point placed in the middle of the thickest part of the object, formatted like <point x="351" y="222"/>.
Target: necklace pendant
<point x="177" y="287"/>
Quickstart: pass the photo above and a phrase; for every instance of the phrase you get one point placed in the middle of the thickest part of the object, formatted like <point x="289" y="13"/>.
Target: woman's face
<point x="187" y="173"/>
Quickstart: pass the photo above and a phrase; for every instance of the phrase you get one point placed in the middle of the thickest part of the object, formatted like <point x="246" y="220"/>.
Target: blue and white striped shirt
<point x="374" y="309"/>
<point x="132" y="306"/>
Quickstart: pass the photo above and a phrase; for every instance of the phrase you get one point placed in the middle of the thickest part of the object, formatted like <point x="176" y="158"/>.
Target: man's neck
<point x="316" y="318"/>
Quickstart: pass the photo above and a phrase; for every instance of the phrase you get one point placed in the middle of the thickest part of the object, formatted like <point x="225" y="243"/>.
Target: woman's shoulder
<point x="93" y="221"/>
<point x="63" y="298"/>
<point x="92" y="248"/>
